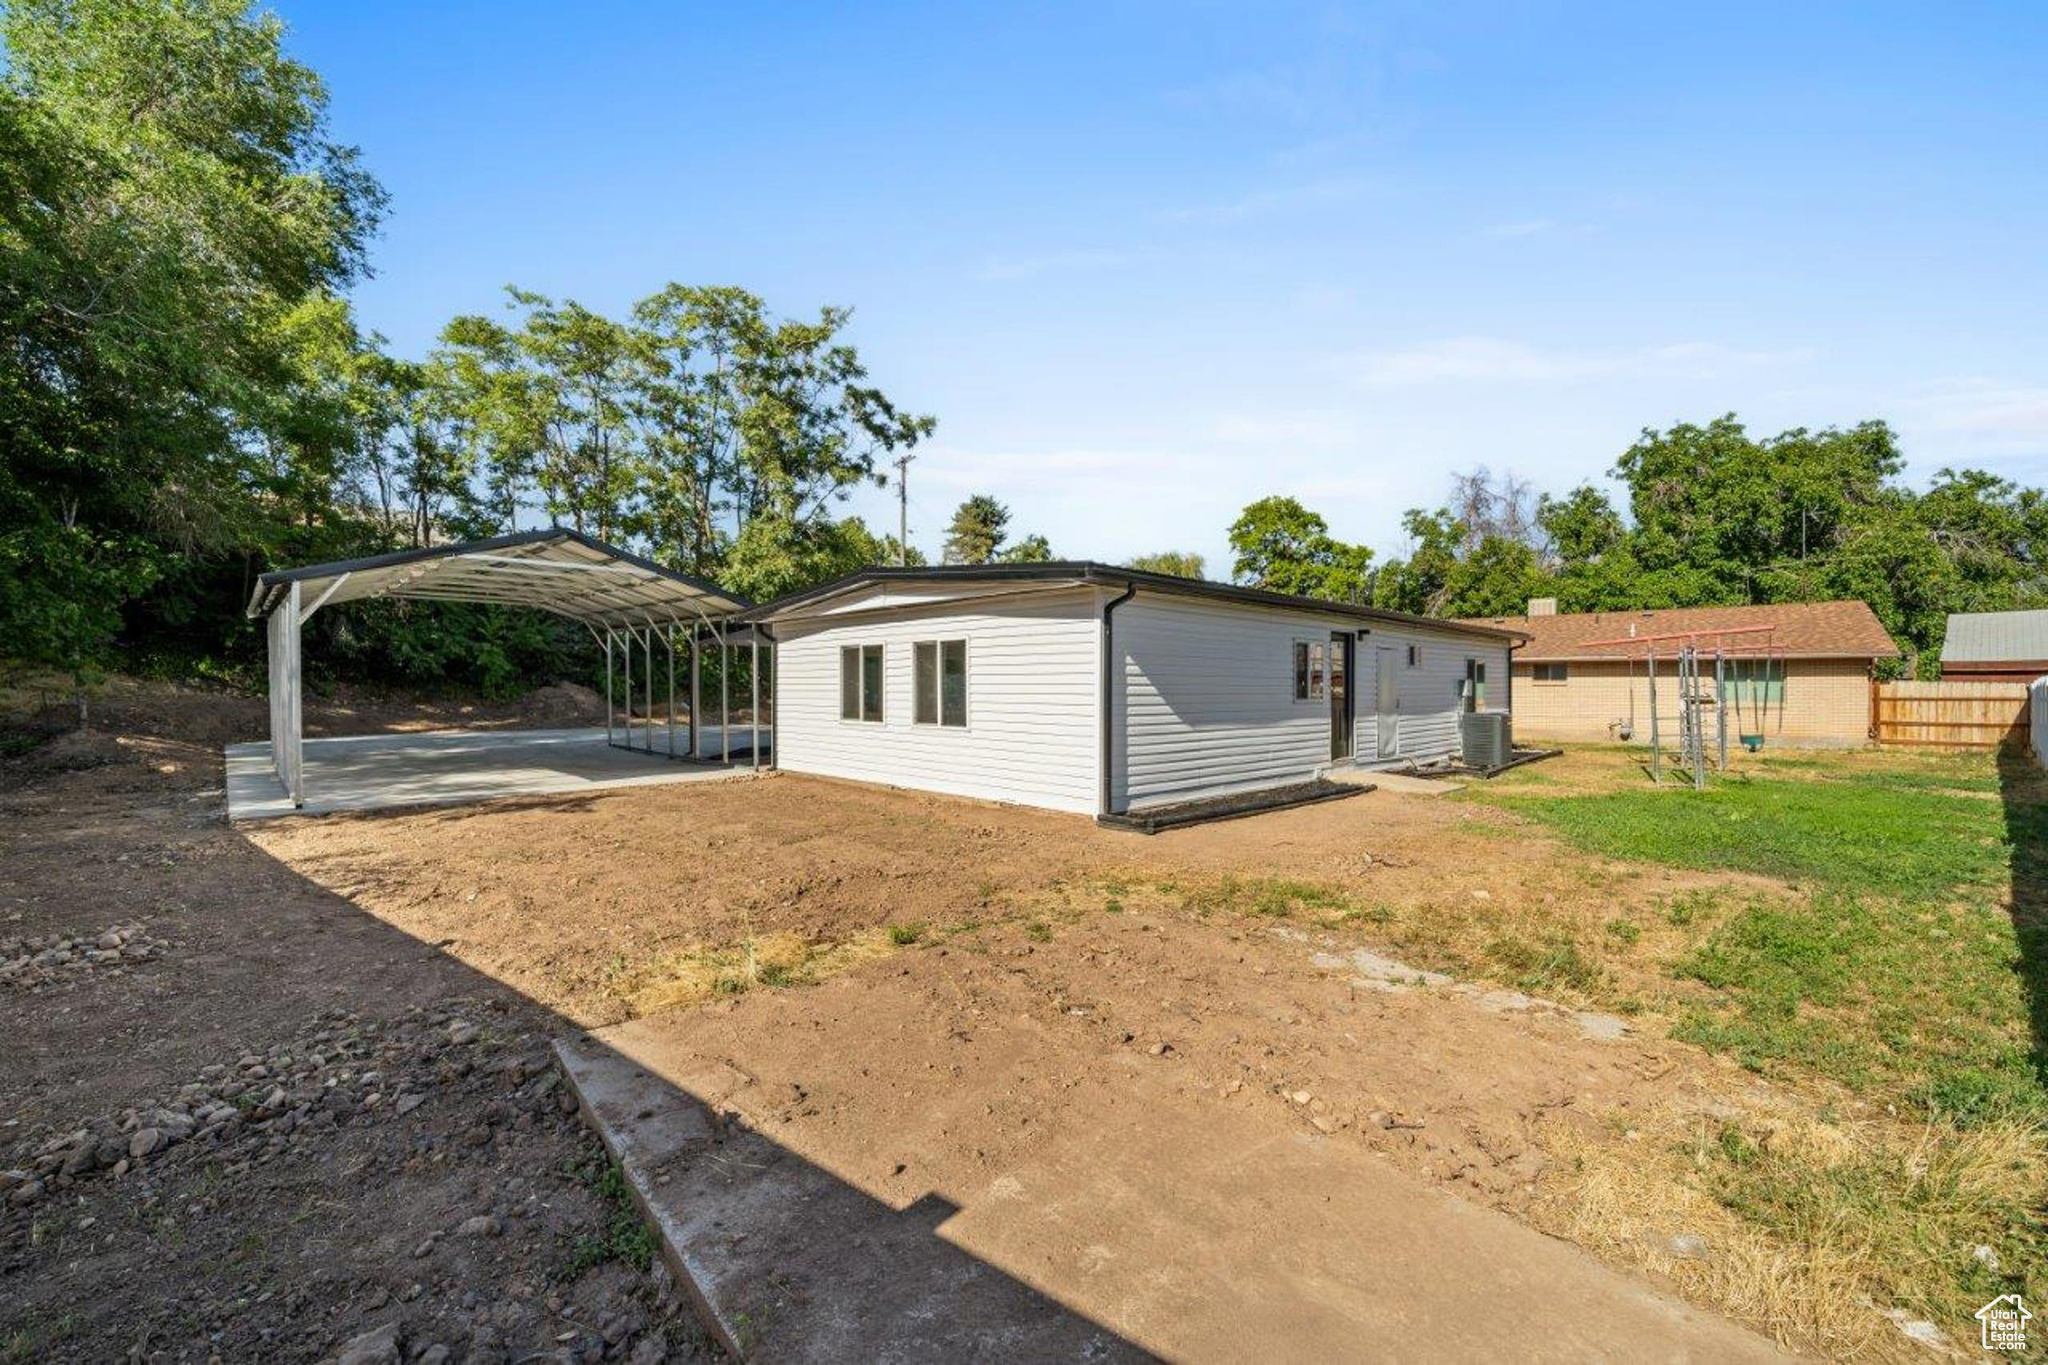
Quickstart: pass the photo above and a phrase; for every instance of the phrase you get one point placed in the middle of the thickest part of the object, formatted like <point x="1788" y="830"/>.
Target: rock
<point x="408" y="1103"/>
<point x="482" y="1225"/>
<point x="1301" y="1097"/>
<point x="26" y="1193"/>
<point x="426" y="1248"/>
<point x="1160" y="1049"/>
<point x="1687" y="1246"/>
<point x="379" y="1346"/>
<point x="462" y="1033"/>
<point x="145" y="1142"/>
<point x="437" y="1354"/>
<point x="1985" y="1257"/>
<point x="651" y="1349"/>
<point x="1386" y="1120"/>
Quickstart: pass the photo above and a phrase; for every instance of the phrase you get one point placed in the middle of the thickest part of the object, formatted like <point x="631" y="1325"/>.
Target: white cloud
<point x="1479" y="359"/>
<point x="1988" y="410"/>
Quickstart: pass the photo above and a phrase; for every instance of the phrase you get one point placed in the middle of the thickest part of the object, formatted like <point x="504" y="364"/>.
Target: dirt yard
<point x="242" y="1120"/>
<point x="1282" y="964"/>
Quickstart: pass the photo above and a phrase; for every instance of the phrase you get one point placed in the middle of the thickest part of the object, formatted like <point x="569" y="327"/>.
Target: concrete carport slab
<point x="374" y="772"/>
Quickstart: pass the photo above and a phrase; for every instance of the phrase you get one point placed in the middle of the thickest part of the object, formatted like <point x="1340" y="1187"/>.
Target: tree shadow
<point x="259" y="952"/>
<point x="2023" y="794"/>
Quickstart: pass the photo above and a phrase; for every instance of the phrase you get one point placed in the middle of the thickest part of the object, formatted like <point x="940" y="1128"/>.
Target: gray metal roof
<point x="1983" y="637"/>
<point x="555" y="570"/>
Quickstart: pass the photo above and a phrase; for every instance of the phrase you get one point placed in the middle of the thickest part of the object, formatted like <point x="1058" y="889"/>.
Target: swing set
<point x="1715" y="672"/>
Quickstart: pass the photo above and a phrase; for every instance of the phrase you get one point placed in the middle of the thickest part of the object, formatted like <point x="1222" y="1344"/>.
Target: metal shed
<point x="642" y="613"/>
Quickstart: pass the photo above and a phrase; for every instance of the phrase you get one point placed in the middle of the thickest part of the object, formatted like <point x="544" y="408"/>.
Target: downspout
<point x="774" y="699"/>
<point x="1109" y="672"/>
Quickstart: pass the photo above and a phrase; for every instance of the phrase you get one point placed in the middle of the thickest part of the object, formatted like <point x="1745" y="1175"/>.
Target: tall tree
<point x="168" y="195"/>
<point x="977" y="530"/>
<point x="1281" y="546"/>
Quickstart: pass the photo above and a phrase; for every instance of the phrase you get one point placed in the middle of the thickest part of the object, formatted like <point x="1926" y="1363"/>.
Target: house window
<point x="860" y="682"/>
<point x="1550" y="672"/>
<point x="941" y="682"/>
<point x="1415" y="656"/>
<point x="1752" y="681"/>
<point x="1308" y="670"/>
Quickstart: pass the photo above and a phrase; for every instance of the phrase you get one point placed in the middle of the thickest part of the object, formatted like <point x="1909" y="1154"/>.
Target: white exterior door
<point x="1387" y="699"/>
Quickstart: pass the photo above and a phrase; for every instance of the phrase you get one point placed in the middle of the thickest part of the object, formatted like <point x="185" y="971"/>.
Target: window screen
<point x="941" y="669"/>
<point x="1301" y="670"/>
<point x="1551" y="672"/>
<point x="860" y="682"/>
<point x="926" y="710"/>
<point x="1315" y="670"/>
<point x="849" y="683"/>
<point x="953" y="682"/>
<point x="1415" y="656"/>
<point x="871" y="682"/>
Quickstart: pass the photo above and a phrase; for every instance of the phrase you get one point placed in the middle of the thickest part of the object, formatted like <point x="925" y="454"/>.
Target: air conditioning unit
<point x="1486" y="739"/>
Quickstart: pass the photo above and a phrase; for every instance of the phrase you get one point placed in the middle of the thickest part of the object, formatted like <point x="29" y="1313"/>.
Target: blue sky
<point x="1149" y="262"/>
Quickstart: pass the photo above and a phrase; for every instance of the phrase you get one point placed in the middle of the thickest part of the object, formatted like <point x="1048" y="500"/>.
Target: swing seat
<point x="1752" y="742"/>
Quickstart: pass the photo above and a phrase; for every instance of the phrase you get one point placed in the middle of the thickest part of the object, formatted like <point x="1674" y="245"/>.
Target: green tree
<point x="977" y="530"/>
<point x="1281" y="546"/>
<point x="1032" y="549"/>
<point x="1420" y="583"/>
<point x="1178" y="563"/>
<point x="168" y="196"/>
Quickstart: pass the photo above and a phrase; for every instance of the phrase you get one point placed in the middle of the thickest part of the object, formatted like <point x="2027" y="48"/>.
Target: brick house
<point x="1569" y="684"/>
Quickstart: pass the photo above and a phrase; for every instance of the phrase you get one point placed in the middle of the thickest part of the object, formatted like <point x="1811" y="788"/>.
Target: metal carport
<point x="629" y="604"/>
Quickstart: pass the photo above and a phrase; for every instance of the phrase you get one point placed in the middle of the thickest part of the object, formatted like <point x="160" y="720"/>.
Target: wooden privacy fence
<point x="1949" y="715"/>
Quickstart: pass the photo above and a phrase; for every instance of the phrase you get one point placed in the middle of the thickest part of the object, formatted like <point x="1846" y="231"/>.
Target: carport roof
<point x="555" y="570"/>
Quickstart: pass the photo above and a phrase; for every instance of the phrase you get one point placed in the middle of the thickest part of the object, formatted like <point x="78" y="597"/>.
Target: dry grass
<point x="1811" y="1226"/>
<point x="686" y="976"/>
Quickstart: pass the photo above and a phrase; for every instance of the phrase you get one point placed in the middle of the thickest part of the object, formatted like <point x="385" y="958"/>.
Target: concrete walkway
<point x="1164" y="1230"/>
<point x="443" y="767"/>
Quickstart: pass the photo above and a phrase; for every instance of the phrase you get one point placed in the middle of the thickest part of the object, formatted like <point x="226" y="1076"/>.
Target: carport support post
<point x="668" y="638"/>
<point x="607" y="684"/>
<point x="754" y="676"/>
<point x="724" y="700"/>
<point x="696" y="743"/>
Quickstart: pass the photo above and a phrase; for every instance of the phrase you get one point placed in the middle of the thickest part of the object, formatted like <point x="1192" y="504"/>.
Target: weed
<point x="1556" y="961"/>
<point x="1627" y="931"/>
<point x="1113" y="906"/>
<point x="625" y="1236"/>
<point x="1038" y="931"/>
<point x="903" y="935"/>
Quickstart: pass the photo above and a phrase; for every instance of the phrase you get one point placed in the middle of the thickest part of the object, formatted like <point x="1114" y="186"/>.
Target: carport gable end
<point x="611" y="592"/>
<point x="1097" y="690"/>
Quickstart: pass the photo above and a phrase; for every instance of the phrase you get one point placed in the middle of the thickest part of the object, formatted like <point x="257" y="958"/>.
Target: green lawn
<point x="1851" y="830"/>
<point x="1903" y="963"/>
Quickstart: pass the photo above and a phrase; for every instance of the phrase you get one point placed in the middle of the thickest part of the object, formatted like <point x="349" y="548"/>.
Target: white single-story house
<point x="1100" y="690"/>
<point x="1072" y="686"/>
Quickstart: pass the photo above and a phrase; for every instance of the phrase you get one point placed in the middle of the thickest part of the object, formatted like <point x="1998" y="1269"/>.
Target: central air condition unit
<point x="1485" y="738"/>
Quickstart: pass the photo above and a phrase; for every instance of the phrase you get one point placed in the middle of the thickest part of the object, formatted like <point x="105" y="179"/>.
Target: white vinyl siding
<point x="1428" y="694"/>
<point x="1208" y="702"/>
<point x="1030" y="734"/>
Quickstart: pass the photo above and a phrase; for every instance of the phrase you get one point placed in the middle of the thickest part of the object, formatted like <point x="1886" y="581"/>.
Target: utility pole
<point x="903" y="509"/>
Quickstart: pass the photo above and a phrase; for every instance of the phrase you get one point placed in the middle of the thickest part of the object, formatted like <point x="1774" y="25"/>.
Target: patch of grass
<point x="903" y="935"/>
<point x="1556" y="961"/>
<point x="1926" y="1005"/>
<point x="1910" y="1209"/>
<point x="1626" y="931"/>
<point x="1856" y="832"/>
<point x="625" y="1236"/>
<point x="685" y="976"/>
<point x="1810" y="1223"/>
<point x="1038" y="931"/>
<point x="1270" y="897"/>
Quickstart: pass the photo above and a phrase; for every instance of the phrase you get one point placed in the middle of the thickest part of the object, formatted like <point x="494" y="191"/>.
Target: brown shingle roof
<point x="1801" y="630"/>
